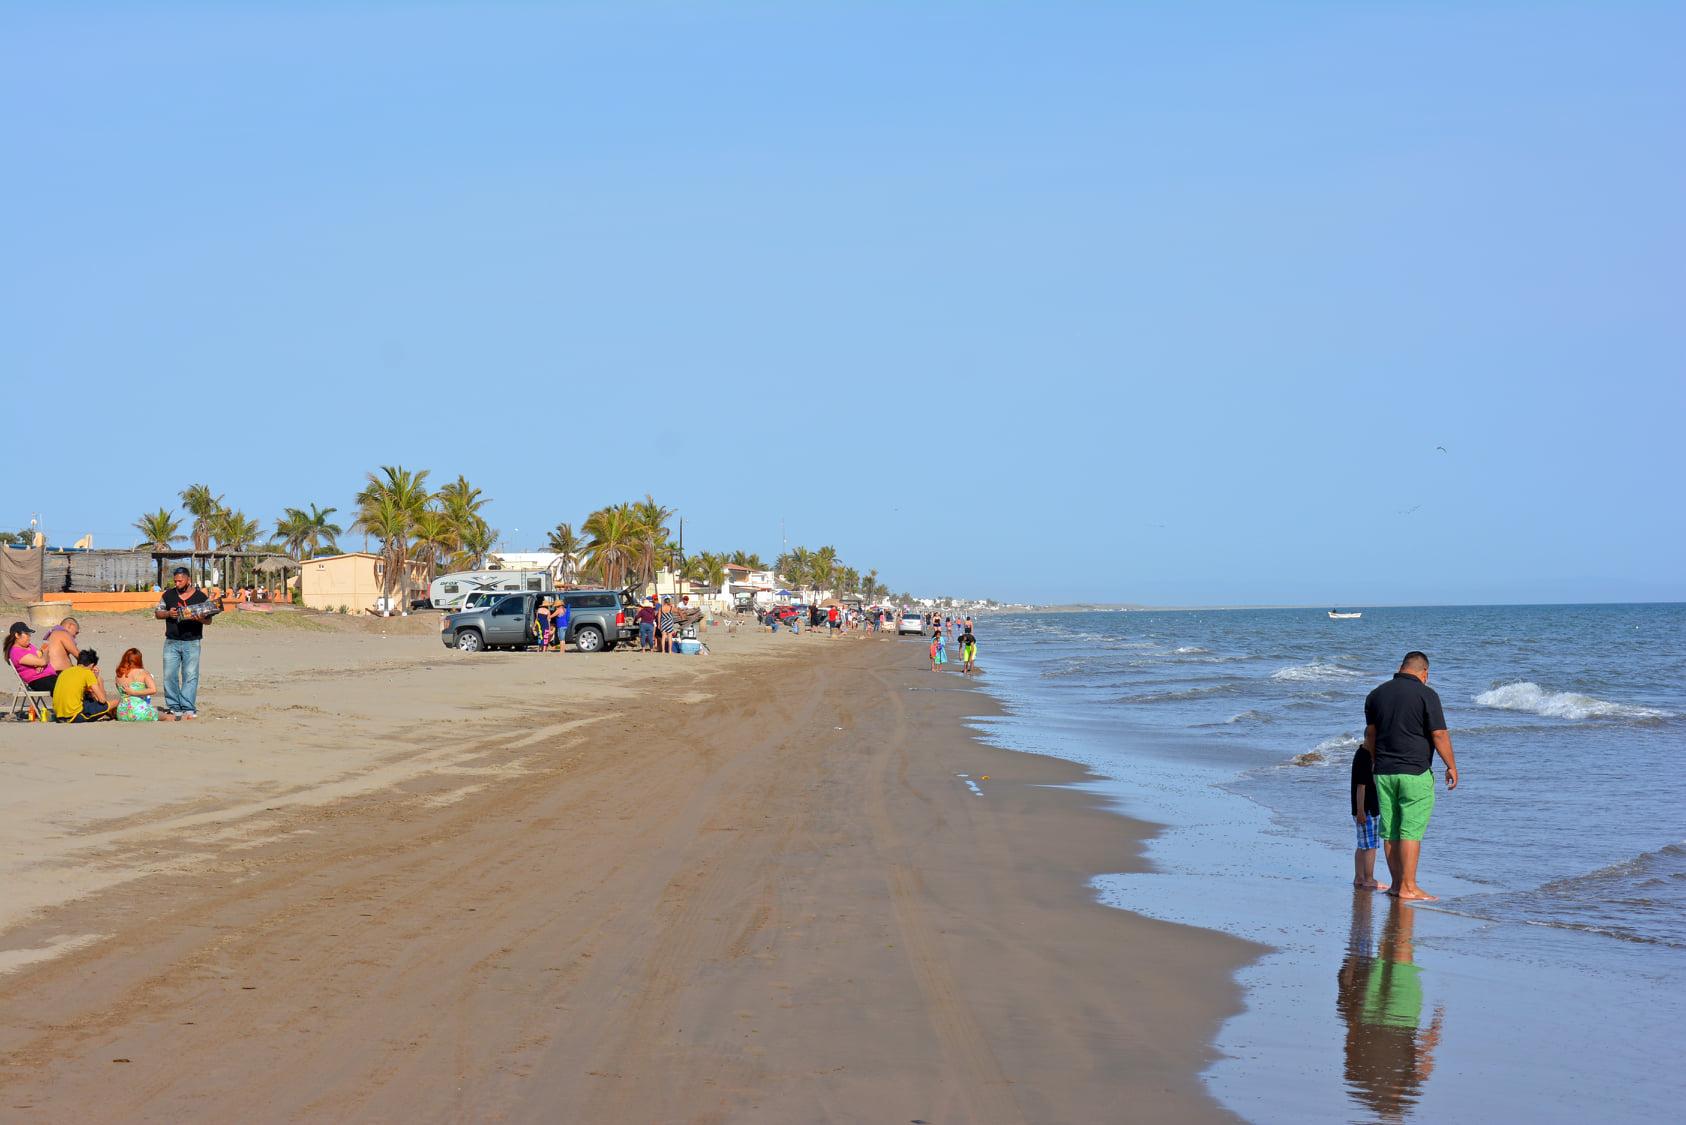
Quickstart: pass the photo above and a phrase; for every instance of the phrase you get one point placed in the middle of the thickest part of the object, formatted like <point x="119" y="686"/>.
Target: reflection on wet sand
<point x="1388" y="1055"/>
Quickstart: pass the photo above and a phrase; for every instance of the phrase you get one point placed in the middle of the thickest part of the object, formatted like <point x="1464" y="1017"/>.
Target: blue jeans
<point x="181" y="662"/>
<point x="646" y="634"/>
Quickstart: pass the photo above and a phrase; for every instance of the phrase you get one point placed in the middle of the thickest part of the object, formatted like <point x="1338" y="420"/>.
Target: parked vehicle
<point x="598" y="620"/>
<point x="910" y="623"/>
<point x="449" y="591"/>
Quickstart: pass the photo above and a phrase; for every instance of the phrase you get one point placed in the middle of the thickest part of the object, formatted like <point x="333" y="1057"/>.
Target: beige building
<point x="354" y="581"/>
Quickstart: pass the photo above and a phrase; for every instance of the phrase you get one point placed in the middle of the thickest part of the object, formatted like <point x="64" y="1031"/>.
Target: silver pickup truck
<point x="598" y="620"/>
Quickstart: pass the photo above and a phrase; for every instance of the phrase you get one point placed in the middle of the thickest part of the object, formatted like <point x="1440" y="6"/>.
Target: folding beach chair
<point x="28" y="704"/>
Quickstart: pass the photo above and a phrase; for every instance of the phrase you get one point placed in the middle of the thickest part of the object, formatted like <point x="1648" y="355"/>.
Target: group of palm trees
<point x="822" y="571"/>
<point x="630" y="544"/>
<point x="616" y="546"/>
<point x="395" y="507"/>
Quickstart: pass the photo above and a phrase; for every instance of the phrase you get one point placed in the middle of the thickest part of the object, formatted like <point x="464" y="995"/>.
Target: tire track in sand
<point x="985" y="1092"/>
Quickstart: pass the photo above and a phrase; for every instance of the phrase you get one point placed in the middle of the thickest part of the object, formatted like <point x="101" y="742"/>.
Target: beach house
<point x="354" y="581"/>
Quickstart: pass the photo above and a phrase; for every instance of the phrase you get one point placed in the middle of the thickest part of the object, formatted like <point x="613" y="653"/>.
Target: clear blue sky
<point x="1161" y="303"/>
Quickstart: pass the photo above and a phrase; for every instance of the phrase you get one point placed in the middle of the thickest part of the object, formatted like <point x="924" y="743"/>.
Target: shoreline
<point x="692" y="891"/>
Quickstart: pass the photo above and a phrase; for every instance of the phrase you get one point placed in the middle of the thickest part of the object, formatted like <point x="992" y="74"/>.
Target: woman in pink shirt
<point x="30" y="661"/>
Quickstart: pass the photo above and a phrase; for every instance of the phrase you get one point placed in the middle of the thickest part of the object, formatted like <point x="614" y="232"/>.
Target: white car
<point x="910" y="623"/>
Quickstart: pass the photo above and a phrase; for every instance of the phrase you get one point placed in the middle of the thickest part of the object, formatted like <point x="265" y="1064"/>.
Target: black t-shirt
<point x="966" y="638"/>
<point x="1361" y="776"/>
<point x="1405" y="712"/>
<point x="189" y="630"/>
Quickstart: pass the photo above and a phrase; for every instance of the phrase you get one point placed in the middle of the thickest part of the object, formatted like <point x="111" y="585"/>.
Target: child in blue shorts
<point x="1366" y="814"/>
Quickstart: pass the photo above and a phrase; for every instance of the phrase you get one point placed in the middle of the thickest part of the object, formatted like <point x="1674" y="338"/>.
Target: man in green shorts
<point x="1404" y="728"/>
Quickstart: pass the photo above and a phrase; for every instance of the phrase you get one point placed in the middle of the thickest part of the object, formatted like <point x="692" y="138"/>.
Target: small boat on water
<point x="1337" y="615"/>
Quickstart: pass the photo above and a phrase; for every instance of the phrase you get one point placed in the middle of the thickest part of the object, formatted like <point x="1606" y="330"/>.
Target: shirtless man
<point x="60" y="644"/>
<point x="1404" y="728"/>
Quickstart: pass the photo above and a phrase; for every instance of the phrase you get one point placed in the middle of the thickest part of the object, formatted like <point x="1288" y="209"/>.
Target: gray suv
<point x="598" y="620"/>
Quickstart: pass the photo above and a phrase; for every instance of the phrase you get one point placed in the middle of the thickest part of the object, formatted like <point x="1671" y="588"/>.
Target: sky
<point x="1173" y="304"/>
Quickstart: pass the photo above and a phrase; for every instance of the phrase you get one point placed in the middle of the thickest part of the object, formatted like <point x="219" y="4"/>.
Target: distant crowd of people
<point x="61" y="667"/>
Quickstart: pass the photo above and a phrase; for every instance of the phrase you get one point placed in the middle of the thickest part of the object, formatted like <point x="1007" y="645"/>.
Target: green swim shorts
<point x="1406" y="801"/>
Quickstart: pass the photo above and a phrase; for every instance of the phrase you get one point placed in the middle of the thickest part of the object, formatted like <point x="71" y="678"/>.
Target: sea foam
<point x="1316" y="671"/>
<point x="1532" y="698"/>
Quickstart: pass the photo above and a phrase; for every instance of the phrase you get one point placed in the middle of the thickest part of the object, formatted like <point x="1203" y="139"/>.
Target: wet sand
<point x="381" y="880"/>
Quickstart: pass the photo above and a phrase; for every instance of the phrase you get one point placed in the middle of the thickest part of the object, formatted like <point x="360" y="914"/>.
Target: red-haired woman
<point x="136" y="688"/>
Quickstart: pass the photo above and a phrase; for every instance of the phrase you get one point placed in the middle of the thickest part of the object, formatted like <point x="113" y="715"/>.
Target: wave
<point x="1184" y="696"/>
<point x="1641" y="899"/>
<point x="1329" y="752"/>
<point x="1532" y="698"/>
<point x="1244" y="717"/>
<point x="1316" y="671"/>
<point x="1187" y="649"/>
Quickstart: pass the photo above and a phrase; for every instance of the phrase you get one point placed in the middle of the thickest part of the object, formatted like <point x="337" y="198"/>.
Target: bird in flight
<point x="1442" y="449"/>
<point x="1408" y="511"/>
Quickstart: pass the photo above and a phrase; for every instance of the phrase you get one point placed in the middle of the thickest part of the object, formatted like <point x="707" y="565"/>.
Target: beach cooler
<point x="690" y="646"/>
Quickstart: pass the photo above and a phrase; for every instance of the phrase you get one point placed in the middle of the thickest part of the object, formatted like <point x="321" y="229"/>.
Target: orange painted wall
<point x="104" y="603"/>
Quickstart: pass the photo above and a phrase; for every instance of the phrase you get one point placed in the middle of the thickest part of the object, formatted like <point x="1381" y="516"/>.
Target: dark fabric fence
<point x="84" y="572"/>
<point x="20" y="575"/>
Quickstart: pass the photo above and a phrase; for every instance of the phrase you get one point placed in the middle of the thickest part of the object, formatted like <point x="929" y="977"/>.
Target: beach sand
<point x="381" y="880"/>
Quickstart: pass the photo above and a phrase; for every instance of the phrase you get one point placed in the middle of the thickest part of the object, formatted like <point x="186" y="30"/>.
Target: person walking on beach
<point x="939" y="654"/>
<point x="184" y="627"/>
<point x="1366" y="813"/>
<point x="1404" y="727"/>
<point x="968" y="651"/>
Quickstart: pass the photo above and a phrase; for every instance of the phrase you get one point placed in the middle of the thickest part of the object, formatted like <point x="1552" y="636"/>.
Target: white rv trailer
<point x="448" y="590"/>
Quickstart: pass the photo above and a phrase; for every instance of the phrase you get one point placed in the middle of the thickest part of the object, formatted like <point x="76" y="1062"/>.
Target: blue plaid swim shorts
<point x="1369" y="831"/>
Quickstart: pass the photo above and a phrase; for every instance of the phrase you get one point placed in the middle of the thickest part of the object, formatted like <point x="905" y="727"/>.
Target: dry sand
<point x="384" y="881"/>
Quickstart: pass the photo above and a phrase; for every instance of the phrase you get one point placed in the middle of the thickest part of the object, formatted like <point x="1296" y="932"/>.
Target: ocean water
<point x="1547" y="983"/>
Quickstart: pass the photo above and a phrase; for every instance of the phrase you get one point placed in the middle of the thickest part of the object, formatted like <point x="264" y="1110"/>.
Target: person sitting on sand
<point x="79" y="697"/>
<point x="29" y="660"/>
<point x="135" y="689"/>
<point x="59" y="643"/>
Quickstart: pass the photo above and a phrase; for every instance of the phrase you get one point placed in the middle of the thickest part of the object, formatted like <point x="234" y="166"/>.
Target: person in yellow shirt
<point x="79" y="697"/>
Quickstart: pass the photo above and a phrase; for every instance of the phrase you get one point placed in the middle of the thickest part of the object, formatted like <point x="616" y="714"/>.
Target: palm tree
<point x="291" y="530"/>
<point x="797" y="567"/>
<point x="321" y="531"/>
<point x="824" y="569"/>
<point x="203" y="507"/>
<point x="435" y="533"/>
<point x="234" y="531"/>
<point x="614" y="542"/>
<point x="653" y="546"/>
<point x="869" y="586"/>
<point x="463" y="496"/>
<point x="394" y="501"/>
<point x="476" y="541"/>
<point x="569" y="545"/>
<point x="714" y="571"/>
<point x="390" y="523"/>
<point x="746" y="559"/>
<point x="159" y="529"/>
